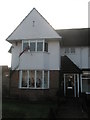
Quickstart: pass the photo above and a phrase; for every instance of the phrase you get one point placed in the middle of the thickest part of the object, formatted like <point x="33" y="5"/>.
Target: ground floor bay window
<point x="34" y="79"/>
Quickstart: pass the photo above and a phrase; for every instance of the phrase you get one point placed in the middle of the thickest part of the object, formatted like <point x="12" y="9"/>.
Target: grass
<point x="26" y="109"/>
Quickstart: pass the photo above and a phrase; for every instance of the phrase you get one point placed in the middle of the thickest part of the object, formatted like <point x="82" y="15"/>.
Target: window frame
<point x="42" y="46"/>
<point x="25" y="42"/>
<point x="36" y="45"/>
<point x="69" y="50"/>
<point x="35" y="76"/>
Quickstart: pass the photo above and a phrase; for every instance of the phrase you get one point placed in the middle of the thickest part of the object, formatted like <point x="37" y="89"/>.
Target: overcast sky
<point x="61" y="14"/>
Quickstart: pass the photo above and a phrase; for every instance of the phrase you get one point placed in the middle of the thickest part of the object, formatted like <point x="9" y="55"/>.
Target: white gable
<point x="34" y="26"/>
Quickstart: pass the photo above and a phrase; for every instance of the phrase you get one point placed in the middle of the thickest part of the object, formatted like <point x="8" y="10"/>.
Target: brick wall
<point x="5" y="81"/>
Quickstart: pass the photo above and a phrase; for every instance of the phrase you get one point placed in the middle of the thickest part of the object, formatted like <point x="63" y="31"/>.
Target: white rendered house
<point x="35" y="53"/>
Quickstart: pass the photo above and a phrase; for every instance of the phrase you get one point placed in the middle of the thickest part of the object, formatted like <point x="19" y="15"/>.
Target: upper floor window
<point x="72" y="50"/>
<point x="66" y="50"/>
<point x="69" y="50"/>
<point x="25" y="45"/>
<point x="32" y="46"/>
<point x="46" y="47"/>
<point x="37" y="45"/>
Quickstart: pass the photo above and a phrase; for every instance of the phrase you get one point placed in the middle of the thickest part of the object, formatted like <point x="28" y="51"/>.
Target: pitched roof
<point x="34" y="26"/>
<point x="67" y="66"/>
<point x="75" y="37"/>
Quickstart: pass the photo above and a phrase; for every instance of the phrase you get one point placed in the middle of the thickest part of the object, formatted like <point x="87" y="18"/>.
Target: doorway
<point x="71" y="85"/>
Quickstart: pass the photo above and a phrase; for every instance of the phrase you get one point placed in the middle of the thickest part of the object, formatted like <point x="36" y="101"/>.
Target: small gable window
<point x="70" y="50"/>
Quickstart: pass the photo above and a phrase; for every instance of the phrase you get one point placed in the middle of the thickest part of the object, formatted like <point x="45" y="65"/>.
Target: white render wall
<point x="54" y="57"/>
<point x="34" y="26"/>
<point x="89" y="57"/>
<point x="80" y="58"/>
<point x="16" y="49"/>
<point x="37" y="60"/>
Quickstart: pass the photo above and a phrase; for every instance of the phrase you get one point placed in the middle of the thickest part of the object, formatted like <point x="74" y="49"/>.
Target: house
<point x="35" y="58"/>
<point x="43" y="62"/>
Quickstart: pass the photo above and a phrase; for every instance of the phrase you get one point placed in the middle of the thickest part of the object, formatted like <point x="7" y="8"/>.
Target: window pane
<point x="31" y="78"/>
<point x="45" y="79"/>
<point x="32" y="46"/>
<point x="25" y="45"/>
<point x="39" y="79"/>
<point x="39" y="46"/>
<point x="66" y="50"/>
<point x="46" y="47"/>
<point x="72" y="50"/>
<point x="24" y="78"/>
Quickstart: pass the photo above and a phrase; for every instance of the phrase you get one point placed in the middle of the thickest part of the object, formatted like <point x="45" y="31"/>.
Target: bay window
<point x="34" y="79"/>
<point x="35" y="45"/>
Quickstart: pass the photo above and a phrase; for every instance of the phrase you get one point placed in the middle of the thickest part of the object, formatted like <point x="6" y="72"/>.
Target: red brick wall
<point x="35" y="94"/>
<point x="5" y="81"/>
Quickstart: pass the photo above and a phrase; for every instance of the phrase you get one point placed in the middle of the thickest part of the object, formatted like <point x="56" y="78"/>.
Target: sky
<point x="61" y="14"/>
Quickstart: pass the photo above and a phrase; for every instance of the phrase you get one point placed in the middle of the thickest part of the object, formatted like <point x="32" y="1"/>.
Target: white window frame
<point x="35" y="87"/>
<point x="68" y="50"/>
<point x="71" y="49"/>
<point x="25" y="42"/>
<point x="36" y="42"/>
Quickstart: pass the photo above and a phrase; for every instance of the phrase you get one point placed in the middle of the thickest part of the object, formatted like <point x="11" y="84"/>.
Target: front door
<point x="71" y="85"/>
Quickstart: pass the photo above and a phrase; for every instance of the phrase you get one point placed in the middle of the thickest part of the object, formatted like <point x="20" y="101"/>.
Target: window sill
<point x="37" y="52"/>
<point x="33" y="88"/>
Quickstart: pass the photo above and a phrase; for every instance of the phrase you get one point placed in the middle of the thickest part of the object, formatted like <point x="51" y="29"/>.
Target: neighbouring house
<point x="75" y="60"/>
<point x="45" y="60"/>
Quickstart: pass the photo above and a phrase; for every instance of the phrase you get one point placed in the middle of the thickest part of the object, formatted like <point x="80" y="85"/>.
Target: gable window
<point x="34" y="79"/>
